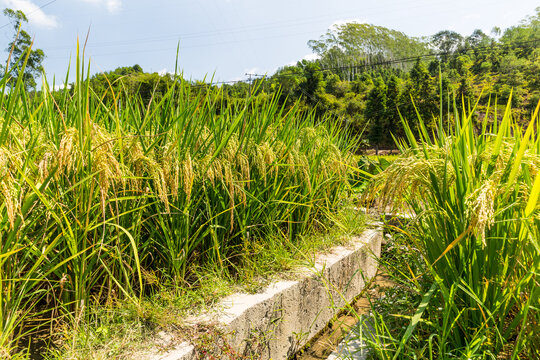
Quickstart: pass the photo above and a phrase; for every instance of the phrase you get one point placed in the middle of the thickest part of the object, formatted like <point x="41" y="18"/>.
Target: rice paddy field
<point x="108" y="202"/>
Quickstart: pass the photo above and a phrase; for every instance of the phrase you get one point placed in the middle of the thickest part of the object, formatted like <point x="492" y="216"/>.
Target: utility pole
<point x="250" y="79"/>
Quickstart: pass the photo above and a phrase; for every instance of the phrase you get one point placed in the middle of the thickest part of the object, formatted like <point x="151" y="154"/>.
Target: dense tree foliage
<point x="354" y="43"/>
<point x="368" y="76"/>
<point x="130" y="80"/>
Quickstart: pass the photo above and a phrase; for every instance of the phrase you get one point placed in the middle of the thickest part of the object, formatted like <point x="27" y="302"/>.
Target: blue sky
<point x="228" y="38"/>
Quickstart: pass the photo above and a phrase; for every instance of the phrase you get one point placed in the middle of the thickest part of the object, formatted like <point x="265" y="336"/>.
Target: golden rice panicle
<point x="269" y="155"/>
<point x="333" y="163"/>
<point x="280" y="149"/>
<point x="481" y="208"/>
<point x="188" y="175"/>
<point x="67" y="151"/>
<point x="405" y="176"/>
<point x="152" y="168"/>
<point x="308" y="135"/>
<point x="144" y="166"/>
<point x="230" y="151"/>
<point x="10" y="201"/>
<point x="304" y="165"/>
<point x="208" y="169"/>
<point x="268" y="158"/>
<point x="259" y="163"/>
<point x="171" y="168"/>
<point x="290" y="161"/>
<point x="228" y="177"/>
<point x="105" y="163"/>
<point x="239" y="178"/>
<point x="45" y="164"/>
<point x="9" y="163"/>
<point x="229" y="182"/>
<point x="245" y="173"/>
<point x="160" y="184"/>
<point x="46" y="154"/>
<point x="5" y="165"/>
<point x="135" y="160"/>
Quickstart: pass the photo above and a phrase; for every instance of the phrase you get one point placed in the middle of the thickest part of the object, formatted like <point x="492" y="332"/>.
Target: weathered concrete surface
<point x="184" y="351"/>
<point x="278" y="322"/>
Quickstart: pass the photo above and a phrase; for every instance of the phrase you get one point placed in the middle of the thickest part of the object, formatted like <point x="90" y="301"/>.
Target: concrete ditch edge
<point x="278" y="322"/>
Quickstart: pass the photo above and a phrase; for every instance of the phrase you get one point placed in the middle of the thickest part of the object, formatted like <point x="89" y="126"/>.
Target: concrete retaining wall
<point x="278" y="322"/>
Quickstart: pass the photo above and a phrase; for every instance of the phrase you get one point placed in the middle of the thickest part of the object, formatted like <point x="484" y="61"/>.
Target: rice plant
<point x="474" y="192"/>
<point x="102" y="200"/>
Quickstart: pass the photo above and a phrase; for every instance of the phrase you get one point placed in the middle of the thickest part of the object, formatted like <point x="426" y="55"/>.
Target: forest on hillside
<point x="367" y="75"/>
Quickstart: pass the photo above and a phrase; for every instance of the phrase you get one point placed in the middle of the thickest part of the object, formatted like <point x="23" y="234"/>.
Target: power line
<point x="238" y="29"/>
<point x="252" y="77"/>
<point x="248" y="29"/>
<point x="416" y="57"/>
<point x="191" y="46"/>
<point x="218" y="83"/>
<point x="522" y="44"/>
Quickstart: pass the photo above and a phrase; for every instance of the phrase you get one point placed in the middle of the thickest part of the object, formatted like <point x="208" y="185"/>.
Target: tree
<point x="375" y="113"/>
<point x="421" y="82"/>
<point x="447" y="41"/>
<point x="465" y="90"/>
<point x="478" y="38"/>
<point x="288" y="79"/>
<point x="312" y="85"/>
<point x="102" y="82"/>
<point x="528" y="30"/>
<point x="21" y="48"/>
<point x="423" y="91"/>
<point x="393" y="97"/>
<point x="347" y="45"/>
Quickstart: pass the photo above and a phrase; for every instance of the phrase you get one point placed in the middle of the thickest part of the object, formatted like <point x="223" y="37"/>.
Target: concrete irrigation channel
<point x="341" y="340"/>
<point x="281" y="320"/>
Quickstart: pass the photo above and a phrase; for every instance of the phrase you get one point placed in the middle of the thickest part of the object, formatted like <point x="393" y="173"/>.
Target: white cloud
<point x="238" y="78"/>
<point x="111" y="5"/>
<point x="254" y="70"/>
<point x="244" y="77"/>
<point x="164" y="71"/>
<point x="62" y="87"/>
<point x="340" y="22"/>
<point x="308" y="57"/>
<point x="35" y="15"/>
<point x="311" y="57"/>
